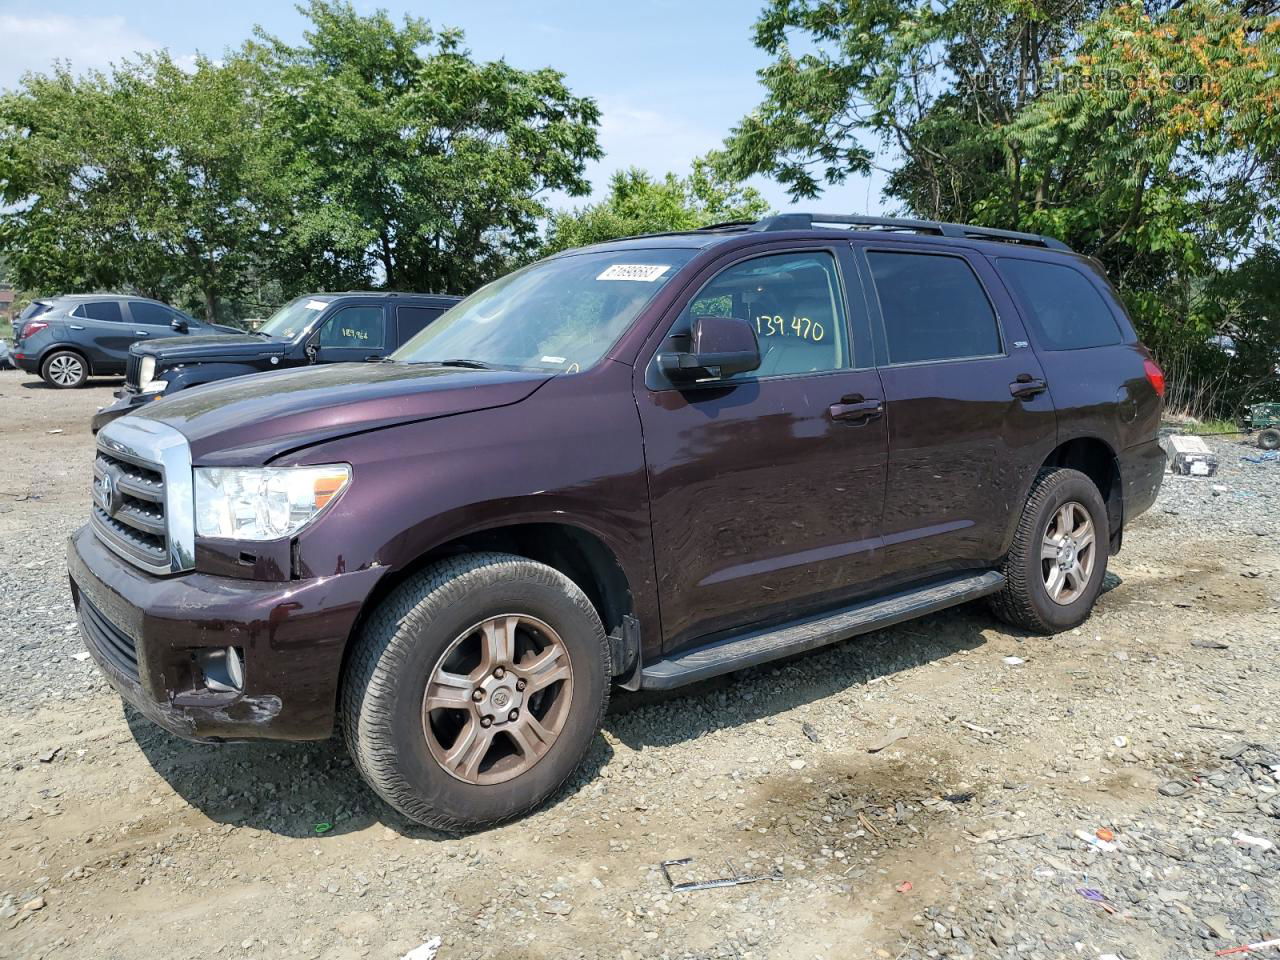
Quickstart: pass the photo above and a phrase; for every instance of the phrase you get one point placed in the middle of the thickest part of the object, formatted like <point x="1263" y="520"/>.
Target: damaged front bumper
<point x="155" y="637"/>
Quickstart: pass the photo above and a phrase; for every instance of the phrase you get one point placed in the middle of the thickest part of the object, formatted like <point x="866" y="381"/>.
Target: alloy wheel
<point x="65" y="370"/>
<point x="1067" y="552"/>
<point x="497" y="699"/>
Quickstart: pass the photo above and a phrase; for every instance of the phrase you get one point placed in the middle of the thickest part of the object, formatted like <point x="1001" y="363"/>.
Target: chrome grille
<point x="142" y="495"/>
<point x="133" y="371"/>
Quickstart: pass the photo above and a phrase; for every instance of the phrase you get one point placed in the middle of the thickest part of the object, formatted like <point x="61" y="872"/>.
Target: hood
<point x="212" y="346"/>
<point x="250" y="420"/>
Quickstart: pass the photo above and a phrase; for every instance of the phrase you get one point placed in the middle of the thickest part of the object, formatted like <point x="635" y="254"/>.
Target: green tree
<point x="1147" y="135"/>
<point x="398" y="153"/>
<point x="144" y="178"/>
<point x="637" y="203"/>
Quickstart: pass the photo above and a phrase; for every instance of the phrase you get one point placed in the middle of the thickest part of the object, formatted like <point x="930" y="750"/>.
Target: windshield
<point x="561" y="314"/>
<point x="293" y="318"/>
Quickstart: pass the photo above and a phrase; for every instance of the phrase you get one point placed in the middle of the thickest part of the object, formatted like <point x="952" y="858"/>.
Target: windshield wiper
<point x="469" y="364"/>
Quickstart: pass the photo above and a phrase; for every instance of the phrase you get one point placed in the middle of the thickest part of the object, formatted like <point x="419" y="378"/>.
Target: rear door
<point x="766" y="488"/>
<point x="102" y="328"/>
<point x="352" y="332"/>
<point x="969" y="417"/>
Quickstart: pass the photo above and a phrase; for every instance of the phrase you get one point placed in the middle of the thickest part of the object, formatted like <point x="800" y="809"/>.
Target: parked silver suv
<point x="82" y="335"/>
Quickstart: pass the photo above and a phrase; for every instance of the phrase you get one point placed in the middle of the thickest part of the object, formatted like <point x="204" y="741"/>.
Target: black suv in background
<point x="315" y="328"/>
<point x="71" y="338"/>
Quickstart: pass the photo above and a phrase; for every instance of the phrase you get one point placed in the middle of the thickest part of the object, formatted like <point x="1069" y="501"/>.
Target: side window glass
<point x="151" y="314"/>
<point x="108" y="310"/>
<point x="1064" y="310"/>
<point x="409" y="320"/>
<point x="934" y="307"/>
<point x="794" y="302"/>
<point x="357" y="327"/>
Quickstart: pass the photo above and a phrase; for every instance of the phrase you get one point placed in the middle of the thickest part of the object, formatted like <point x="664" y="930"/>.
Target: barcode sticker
<point x="644" y="272"/>
<point x="316" y="304"/>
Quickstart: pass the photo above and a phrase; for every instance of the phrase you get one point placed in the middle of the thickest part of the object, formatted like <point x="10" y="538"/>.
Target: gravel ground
<point x="974" y="834"/>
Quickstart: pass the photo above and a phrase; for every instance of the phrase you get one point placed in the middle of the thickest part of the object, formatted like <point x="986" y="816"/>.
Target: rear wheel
<point x="1269" y="439"/>
<point x="64" y="370"/>
<point x="475" y="690"/>
<point x="1054" y="570"/>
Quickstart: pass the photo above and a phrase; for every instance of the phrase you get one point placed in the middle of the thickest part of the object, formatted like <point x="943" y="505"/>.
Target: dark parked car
<point x="71" y="338"/>
<point x="317" y="328"/>
<point x="642" y="463"/>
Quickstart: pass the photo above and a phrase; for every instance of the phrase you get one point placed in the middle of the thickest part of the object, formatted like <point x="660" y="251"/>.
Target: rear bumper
<point x="27" y="362"/>
<point x="1142" y="469"/>
<point x="145" y="634"/>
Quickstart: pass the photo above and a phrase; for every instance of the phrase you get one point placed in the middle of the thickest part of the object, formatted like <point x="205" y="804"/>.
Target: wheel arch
<point x="65" y="348"/>
<point x="573" y="550"/>
<point x="1096" y="459"/>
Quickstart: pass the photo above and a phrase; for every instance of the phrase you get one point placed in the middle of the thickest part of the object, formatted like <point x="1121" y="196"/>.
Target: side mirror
<point x="719" y="347"/>
<point x="178" y="324"/>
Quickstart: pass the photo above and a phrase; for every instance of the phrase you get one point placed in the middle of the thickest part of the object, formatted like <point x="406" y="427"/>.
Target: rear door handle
<point x="856" y="409"/>
<point x="142" y="333"/>
<point x="75" y="326"/>
<point x="1027" y="386"/>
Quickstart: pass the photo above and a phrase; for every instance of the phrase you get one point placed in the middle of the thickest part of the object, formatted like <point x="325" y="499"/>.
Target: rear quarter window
<point x="1062" y="307"/>
<point x="108" y="310"/>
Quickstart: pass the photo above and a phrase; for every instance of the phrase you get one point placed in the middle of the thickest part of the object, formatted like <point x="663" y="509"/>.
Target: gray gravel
<point x="959" y="839"/>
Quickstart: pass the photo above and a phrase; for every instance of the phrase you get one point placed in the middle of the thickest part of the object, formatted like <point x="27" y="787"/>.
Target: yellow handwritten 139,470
<point x="803" y="327"/>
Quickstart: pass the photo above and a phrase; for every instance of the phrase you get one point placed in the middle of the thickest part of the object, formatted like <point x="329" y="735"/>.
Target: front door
<point x="969" y="417"/>
<point x="766" y="489"/>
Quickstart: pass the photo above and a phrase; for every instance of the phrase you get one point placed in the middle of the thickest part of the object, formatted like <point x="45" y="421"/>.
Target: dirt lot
<point x="972" y="835"/>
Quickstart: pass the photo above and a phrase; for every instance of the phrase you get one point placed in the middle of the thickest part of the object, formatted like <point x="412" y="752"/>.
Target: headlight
<point x="263" y="503"/>
<point x="146" y="373"/>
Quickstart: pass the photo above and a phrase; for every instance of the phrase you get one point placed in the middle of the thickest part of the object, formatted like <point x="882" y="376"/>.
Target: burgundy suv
<point x="643" y="463"/>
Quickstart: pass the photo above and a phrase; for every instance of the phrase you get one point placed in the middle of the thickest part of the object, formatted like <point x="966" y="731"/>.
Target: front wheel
<point x="475" y="690"/>
<point x="1054" y="570"/>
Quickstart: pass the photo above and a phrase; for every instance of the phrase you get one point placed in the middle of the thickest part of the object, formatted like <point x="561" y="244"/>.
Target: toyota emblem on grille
<point x="108" y="493"/>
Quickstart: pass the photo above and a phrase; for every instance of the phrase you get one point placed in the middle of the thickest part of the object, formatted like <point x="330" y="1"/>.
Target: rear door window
<point x="1063" y="309"/>
<point x="934" y="307"/>
<point x="409" y="320"/>
<point x="108" y="310"/>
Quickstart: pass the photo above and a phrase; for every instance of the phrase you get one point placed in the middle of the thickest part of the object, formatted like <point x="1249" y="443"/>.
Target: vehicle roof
<point x="384" y="293"/>
<point x="987" y="240"/>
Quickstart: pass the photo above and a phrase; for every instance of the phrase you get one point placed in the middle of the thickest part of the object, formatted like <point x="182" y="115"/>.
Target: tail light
<point x="31" y="328"/>
<point x="1155" y="375"/>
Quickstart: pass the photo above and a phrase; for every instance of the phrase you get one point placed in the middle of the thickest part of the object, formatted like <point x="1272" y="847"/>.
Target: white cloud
<point x="35" y="42"/>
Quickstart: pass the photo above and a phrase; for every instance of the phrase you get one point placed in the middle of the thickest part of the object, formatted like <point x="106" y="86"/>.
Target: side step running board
<point x="761" y="646"/>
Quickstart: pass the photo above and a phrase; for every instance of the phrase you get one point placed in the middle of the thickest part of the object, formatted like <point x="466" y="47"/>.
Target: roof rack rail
<point x="806" y="221"/>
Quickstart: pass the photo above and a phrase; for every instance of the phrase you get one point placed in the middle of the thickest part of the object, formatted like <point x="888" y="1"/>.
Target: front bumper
<point x="145" y="633"/>
<point x="125" y="404"/>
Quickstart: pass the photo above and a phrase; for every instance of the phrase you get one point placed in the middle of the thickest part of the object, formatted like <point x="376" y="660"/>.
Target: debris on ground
<point x="733" y="880"/>
<point x="425" y="952"/>
<point x="888" y="740"/>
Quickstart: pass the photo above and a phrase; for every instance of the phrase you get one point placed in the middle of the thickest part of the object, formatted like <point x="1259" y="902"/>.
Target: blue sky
<point x="671" y="76"/>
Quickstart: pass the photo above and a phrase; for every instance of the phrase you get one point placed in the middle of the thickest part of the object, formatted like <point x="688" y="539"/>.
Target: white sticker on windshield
<point x="316" y="305"/>
<point x="553" y="359"/>
<point x="644" y="272"/>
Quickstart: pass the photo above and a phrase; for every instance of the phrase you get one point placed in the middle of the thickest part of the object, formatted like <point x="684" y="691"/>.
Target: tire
<point x="64" y="370"/>
<point x="1269" y="439"/>
<point x="1026" y="600"/>
<point x="433" y="626"/>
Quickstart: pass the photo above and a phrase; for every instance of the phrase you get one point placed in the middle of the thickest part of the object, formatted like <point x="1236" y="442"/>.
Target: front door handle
<point x="1026" y="386"/>
<point x="142" y="333"/>
<point x="75" y="326"/>
<point x="856" y="409"/>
